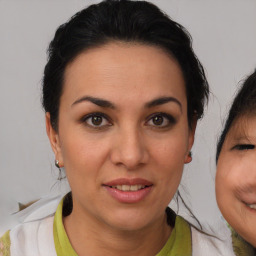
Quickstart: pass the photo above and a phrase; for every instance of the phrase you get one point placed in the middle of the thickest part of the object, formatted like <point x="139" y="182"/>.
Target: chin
<point x="252" y="242"/>
<point x="246" y="228"/>
<point x="130" y="220"/>
<point x="250" y="237"/>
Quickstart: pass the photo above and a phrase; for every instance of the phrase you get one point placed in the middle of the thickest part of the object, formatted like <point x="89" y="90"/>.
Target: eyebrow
<point x="107" y="104"/>
<point x="97" y="101"/>
<point x="163" y="100"/>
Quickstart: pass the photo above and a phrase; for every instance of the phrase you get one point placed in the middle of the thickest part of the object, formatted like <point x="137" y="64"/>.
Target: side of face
<point x="236" y="178"/>
<point x="122" y="121"/>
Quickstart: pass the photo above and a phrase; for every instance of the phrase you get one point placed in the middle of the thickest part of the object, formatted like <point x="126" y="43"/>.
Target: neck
<point x="89" y="236"/>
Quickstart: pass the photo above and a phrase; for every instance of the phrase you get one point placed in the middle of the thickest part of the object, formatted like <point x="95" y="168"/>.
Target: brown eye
<point x="157" y="120"/>
<point x="161" y="120"/>
<point x="96" y="120"/>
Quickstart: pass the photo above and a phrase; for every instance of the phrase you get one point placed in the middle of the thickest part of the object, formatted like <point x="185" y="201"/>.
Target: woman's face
<point x="123" y="134"/>
<point x="236" y="178"/>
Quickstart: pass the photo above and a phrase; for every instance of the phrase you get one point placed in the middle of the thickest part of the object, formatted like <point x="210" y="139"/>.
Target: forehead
<point x="121" y="69"/>
<point x="244" y="127"/>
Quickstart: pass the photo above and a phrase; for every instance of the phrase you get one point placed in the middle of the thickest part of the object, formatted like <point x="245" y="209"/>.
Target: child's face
<point x="236" y="178"/>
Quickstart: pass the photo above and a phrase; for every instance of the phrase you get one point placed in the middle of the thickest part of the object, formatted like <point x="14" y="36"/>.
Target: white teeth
<point x="252" y="206"/>
<point x="129" y="187"/>
<point x="125" y="188"/>
<point x="119" y="187"/>
<point x="134" y="187"/>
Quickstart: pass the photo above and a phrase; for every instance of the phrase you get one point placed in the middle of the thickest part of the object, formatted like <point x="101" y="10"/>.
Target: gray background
<point x="224" y="37"/>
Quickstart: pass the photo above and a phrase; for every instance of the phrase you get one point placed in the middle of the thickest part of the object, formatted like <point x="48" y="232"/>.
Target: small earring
<point x="57" y="164"/>
<point x="189" y="157"/>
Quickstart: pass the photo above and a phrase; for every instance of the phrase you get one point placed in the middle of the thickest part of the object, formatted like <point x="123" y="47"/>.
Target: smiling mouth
<point x="133" y="190"/>
<point x="252" y="206"/>
<point x="126" y="188"/>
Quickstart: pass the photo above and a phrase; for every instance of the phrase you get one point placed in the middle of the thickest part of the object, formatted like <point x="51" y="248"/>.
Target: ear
<point x="191" y="136"/>
<point x="54" y="139"/>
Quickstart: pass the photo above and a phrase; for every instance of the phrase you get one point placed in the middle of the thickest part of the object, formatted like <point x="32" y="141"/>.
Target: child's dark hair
<point x="126" y="21"/>
<point x="243" y="104"/>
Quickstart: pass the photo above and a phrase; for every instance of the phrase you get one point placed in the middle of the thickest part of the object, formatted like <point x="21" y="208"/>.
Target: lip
<point x="249" y="202"/>
<point x="126" y="181"/>
<point x="248" y="198"/>
<point x="130" y="197"/>
<point x="249" y="207"/>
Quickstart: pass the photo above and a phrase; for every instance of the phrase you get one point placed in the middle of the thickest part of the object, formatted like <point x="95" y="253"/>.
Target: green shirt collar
<point x="61" y="241"/>
<point x="179" y="242"/>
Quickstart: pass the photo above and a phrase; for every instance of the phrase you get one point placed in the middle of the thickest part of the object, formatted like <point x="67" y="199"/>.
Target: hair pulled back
<point x="127" y="21"/>
<point x="243" y="104"/>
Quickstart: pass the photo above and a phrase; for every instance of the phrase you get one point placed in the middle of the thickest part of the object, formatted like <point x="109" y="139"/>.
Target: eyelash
<point x="244" y="147"/>
<point x="96" y="114"/>
<point x="170" y="119"/>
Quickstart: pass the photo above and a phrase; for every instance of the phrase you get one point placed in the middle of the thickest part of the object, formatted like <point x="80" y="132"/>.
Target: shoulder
<point x="33" y="238"/>
<point x="5" y="244"/>
<point x="33" y="233"/>
<point x="210" y="245"/>
<point x="218" y="241"/>
<point x="240" y="246"/>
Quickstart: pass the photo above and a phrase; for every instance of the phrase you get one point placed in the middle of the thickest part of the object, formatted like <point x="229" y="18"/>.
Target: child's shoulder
<point x="240" y="246"/>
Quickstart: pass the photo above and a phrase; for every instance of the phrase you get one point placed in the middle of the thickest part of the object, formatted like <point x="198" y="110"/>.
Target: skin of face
<point x="138" y="95"/>
<point x="236" y="178"/>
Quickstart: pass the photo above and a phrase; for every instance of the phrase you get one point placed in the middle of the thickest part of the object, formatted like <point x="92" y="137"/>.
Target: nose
<point x="129" y="149"/>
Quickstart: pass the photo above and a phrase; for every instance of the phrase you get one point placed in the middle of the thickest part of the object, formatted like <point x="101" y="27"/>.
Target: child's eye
<point x="96" y="120"/>
<point x="243" y="146"/>
<point x="161" y="120"/>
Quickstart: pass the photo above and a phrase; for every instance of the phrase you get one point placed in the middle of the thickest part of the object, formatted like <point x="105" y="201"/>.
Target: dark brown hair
<point x="127" y="21"/>
<point x="243" y="104"/>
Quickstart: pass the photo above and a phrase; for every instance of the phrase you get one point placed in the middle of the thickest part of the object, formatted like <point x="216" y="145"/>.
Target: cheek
<point x="169" y="158"/>
<point x="231" y="177"/>
<point x="172" y="149"/>
<point x="233" y="173"/>
<point x="226" y="179"/>
<point x="224" y="186"/>
<point x="83" y="154"/>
